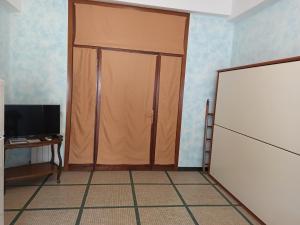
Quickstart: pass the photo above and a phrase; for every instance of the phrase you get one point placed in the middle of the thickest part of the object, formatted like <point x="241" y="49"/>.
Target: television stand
<point x="34" y="170"/>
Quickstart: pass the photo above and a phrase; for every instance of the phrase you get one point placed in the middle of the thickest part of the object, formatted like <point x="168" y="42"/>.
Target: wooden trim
<point x="80" y="167"/>
<point x="147" y="167"/>
<point x="171" y="167"/>
<point x="71" y="36"/>
<point x="86" y="46"/>
<point x="181" y="92"/>
<point x="42" y="142"/>
<point x="102" y="167"/>
<point x="31" y="171"/>
<point x="190" y="169"/>
<point x="98" y="105"/>
<point x="204" y="153"/>
<point x="128" y="50"/>
<point x="155" y="111"/>
<point x="267" y="63"/>
<point x="213" y="122"/>
<point x="237" y="200"/>
<point x="140" y="8"/>
<point x="74" y="22"/>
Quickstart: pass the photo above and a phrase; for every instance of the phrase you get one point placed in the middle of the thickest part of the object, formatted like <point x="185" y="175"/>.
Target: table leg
<point x="52" y="154"/>
<point x="60" y="163"/>
<point x="4" y="171"/>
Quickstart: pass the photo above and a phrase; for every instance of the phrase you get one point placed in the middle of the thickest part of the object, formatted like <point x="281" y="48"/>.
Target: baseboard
<point x="131" y="167"/>
<point x="237" y="200"/>
<point x="84" y="167"/>
<point x="79" y="167"/>
<point x="189" y="168"/>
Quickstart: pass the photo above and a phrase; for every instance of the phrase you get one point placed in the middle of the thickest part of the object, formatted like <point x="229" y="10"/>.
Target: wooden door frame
<point x="71" y="45"/>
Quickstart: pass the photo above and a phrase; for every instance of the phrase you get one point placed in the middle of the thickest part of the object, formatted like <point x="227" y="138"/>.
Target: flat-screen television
<point x="31" y="120"/>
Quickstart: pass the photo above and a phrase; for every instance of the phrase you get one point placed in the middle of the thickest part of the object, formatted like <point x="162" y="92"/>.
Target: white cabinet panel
<point x="262" y="102"/>
<point x="264" y="178"/>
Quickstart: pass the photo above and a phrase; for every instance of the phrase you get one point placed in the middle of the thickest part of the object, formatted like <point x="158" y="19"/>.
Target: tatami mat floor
<point x="123" y="198"/>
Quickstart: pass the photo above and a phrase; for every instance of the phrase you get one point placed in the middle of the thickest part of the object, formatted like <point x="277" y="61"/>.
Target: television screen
<point x="31" y="120"/>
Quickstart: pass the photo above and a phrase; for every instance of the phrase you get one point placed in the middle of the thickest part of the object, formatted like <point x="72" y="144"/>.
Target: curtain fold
<point x="127" y="90"/>
<point x="169" y="88"/>
<point x="127" y="28"/>
<point x="83" y="106"/>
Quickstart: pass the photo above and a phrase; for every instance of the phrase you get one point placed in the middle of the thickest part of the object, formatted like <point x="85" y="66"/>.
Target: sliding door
<point x="83" y="106"/>
<point x="126" y="73"/>
<point x="169" y="87"/>
<point x="126" y="112"/>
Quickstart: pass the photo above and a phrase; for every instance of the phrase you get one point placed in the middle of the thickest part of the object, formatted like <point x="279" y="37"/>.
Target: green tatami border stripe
<point x="234" y="206"/>
<point x="115" y="207"/>
<point x="29" y="201"/>
<point x="84" y="199"/>
<point x="183" y="201"/>
<point x="137" y="214"/>
<point x="57" y="185"/>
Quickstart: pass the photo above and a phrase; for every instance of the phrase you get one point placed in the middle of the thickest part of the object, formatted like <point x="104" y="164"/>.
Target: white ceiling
<point x="231" y="8"/>
<point x="220" y="7"/>
<point x="14" y="4"/>
<point x="242" y="7"/>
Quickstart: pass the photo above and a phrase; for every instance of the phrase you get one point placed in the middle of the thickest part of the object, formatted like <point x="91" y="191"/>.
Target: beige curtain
<point x="83" y="106"/>
<point x="121" y="27"/>
<point x="169" y="88"/>
<point x="127" y="89"/>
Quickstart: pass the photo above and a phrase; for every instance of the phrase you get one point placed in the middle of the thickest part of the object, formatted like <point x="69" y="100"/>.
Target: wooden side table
<point x="34" y="170"/>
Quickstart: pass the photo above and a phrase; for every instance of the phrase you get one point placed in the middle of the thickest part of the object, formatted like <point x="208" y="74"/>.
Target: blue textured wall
<point x="4" y="38"/>
<point x="271" y="33"/>
<point x="209" y="49"/>
<point x="37" y="51"/>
